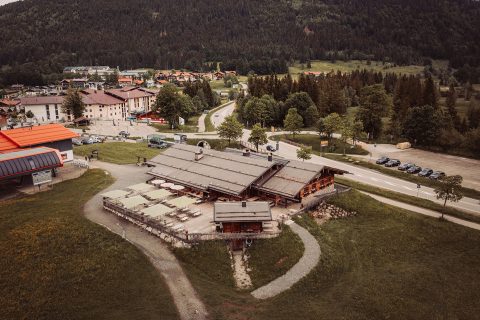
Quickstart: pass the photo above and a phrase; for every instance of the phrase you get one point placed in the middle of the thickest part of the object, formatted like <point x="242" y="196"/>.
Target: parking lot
<point x="469" y="169"/>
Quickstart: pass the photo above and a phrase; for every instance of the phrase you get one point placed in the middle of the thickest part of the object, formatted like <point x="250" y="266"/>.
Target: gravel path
<point x="307" y="262"/>
<point x="201" y="123"/>
<point x="188" y="303"/>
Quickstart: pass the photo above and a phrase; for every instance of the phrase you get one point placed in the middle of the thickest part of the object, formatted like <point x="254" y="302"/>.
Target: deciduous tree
<point x="258" y="136"/>
<point x="304" y="153"/>
<point x="230" y="129"/>
<point x="449" y="189"/>
<point x="293" y="121"/>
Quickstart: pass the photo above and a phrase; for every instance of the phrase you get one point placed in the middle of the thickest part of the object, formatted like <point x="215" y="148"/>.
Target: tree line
<point x="261" y="36"/>
<point x="388" y="107"/>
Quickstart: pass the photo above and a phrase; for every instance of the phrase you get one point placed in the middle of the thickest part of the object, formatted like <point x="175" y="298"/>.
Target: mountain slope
<point x="46" y="35"/>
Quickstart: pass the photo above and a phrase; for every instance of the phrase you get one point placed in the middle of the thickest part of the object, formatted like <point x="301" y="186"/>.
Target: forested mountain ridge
<point x="261" y="35"/>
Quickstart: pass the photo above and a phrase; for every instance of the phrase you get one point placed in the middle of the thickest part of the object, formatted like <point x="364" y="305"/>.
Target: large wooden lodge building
<point x="215" y="174"/>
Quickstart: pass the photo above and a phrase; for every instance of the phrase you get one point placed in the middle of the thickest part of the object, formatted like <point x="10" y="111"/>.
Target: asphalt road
<point x="219" y="116"/>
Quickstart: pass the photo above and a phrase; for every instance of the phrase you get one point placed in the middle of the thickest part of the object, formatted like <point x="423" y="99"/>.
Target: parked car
<point x="405" y="166"/>
<point x="392" y="163"/>
<point x="271" y="148"/>
<point x="414" y="169"/>
<point x="124" y="134"/>
<point x="97" y="139"/>
<point x="206" y="111"/>
<point x="383" y="160"/>
<point x="153" y="143"/>
<point x="87" y="140"/>
<point x="425" y="172"/>
<point x="437" y="175"/>
<point x="77" y="142"/>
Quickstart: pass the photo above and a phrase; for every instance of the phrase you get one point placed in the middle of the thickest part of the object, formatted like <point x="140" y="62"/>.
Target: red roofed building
<point x="137" y="100"/>
<point x="53" y="136"/>
<point x="99" y="105"/>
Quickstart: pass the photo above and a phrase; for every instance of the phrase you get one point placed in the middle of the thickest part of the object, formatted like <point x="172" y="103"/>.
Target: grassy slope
<point x="118" y="152"/>
<point x="314" y="142"/>
<point x="271" y="258"/>
<point x="394" y="172"/>
<point x="383" y="263"/>
<point x="419" y="202"/>
<point x="58" y="265"/>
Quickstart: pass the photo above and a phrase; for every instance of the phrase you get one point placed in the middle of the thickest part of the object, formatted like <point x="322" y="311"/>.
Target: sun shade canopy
<point x="27" y="161"/>
<point x="133" y="202"/>
<point x="157" y="210"/>
<point x="181" y="202"/>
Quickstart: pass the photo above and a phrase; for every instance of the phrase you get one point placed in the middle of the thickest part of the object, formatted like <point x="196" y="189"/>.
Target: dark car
<point x="153" y="143"/>
<point x="425" y="172"/>
<point x="124" y="134"/>
<point x="382" y="160"/>
<point x="405" y="166"/>
<point x="414" y="169"/>
<point x="437" y="175"/>
<point x="271" y="148"/>
<point x="392" y="163"/>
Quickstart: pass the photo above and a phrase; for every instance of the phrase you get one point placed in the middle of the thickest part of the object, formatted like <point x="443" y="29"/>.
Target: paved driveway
<point x="469" y="169"/>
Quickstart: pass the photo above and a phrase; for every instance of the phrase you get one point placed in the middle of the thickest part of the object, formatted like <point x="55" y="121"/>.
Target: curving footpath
<point x="186" y="300"/>
<point x="310" y="258"/>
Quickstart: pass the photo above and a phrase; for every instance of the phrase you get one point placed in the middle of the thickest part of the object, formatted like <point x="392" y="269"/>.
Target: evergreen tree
<point x="422" y="126"/>
<point x="73" y="103"/>
<point x="374" y="104"/>
<point x="430" y="93"/>
<point x="452" y="108"/>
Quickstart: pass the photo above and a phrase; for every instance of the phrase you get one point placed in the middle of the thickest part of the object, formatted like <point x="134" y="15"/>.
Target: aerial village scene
<point x="328" y="180"/>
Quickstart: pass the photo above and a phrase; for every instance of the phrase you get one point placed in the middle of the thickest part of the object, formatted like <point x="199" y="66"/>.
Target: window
<point x="47" y="109"/>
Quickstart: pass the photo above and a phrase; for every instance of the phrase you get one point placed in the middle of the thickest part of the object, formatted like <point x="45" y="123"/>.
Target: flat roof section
<point x="249" y="211"/>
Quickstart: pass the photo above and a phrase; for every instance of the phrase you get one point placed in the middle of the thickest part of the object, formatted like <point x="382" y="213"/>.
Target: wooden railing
<point x="157" y="228"/>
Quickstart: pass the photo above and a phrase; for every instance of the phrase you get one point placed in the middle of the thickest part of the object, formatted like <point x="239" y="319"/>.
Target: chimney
<point x="246" y="153"/>
<point x="270" y="157"/>
<point x="244" y="204"/>
<point x="198" y="154"/>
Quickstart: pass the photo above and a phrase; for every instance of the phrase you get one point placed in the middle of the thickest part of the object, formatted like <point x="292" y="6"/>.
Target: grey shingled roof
<point x="289" y="180"/>
<point x="220" y="171"/>
<point x="234" y="212"/>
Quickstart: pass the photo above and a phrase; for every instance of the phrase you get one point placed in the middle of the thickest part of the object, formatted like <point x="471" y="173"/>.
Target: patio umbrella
<point x="166" y="185"/>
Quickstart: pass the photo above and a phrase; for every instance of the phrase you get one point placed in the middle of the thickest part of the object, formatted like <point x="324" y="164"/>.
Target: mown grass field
<point x="394" y="172"/>
<point x="335" y="146"/>
<point x="348" y="66"/>
<point x="191" y="125"/>
<point x="58" y="265"/>
<point x="117" y="152"/>
<point x="384" y="263"/>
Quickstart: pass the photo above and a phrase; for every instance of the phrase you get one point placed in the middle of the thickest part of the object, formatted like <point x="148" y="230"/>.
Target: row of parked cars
<point x="88" y="140"/>
<point x="411" y="168"/>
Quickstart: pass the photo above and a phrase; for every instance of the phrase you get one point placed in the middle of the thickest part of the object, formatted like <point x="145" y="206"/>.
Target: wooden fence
<point x="157" y="228"/>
